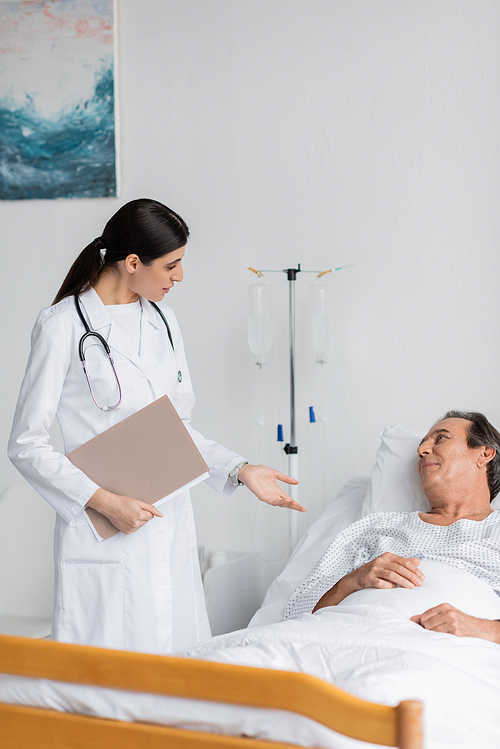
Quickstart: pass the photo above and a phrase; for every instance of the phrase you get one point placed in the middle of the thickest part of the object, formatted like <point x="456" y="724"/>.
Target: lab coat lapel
<point x="101" y="321"/>
<point x="152" y="322"/>
<point x="160" y="361"/>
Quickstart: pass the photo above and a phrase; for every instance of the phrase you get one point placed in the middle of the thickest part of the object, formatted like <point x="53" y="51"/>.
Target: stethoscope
<point x="92" y="333"/>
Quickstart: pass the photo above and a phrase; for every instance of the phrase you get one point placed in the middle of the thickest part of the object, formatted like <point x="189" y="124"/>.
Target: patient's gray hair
<point x="480" y="433"/>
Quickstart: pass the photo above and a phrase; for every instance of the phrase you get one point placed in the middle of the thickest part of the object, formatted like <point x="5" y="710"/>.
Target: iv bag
<point x="260" y="319"/>
<point x="319" y="320"/>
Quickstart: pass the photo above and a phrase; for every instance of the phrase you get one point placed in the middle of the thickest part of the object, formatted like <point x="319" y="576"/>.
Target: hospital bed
<point x="45" y="729"/>
<point x="259" y="688"/>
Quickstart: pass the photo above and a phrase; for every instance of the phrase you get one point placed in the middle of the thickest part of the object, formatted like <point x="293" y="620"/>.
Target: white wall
<point x="323" y="132"/>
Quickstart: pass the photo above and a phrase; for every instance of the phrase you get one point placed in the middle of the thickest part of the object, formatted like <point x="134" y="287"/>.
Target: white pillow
<point x="394" y="482"/>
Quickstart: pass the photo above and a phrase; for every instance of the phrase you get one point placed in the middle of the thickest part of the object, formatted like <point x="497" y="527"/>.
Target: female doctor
<point x="140" y="589"/>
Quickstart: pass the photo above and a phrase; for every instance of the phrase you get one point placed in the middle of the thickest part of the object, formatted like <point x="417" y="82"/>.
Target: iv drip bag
<point x="260" y="320"/>
<point x="319" y="320"/>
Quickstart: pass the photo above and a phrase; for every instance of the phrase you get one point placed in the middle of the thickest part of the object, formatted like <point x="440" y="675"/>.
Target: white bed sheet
<point x="196" y="715"/>
<point x="368" y="647"/>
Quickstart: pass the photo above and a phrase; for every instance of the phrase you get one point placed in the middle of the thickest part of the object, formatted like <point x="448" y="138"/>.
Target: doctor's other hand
<point x="126" y="514"/>
<point x="261" y="480"/>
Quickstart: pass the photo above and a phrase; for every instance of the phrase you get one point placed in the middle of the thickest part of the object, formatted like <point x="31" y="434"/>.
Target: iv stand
<point x="291" y="448"/>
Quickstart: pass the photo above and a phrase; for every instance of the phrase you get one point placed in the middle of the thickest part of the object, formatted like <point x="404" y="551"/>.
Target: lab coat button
<point x="179" y="376"/>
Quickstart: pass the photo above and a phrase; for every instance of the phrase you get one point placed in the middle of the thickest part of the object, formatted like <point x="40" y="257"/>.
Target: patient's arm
<point x="386" y="571"/>
<point x="446" y="618"/>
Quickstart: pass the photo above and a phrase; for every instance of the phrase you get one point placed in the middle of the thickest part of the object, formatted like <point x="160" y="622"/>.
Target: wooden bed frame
<point x="23" y="727"/>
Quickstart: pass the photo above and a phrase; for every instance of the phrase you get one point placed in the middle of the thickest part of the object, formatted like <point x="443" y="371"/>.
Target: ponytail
<point x="142" y="227"/>
<point x="84" y="272"/>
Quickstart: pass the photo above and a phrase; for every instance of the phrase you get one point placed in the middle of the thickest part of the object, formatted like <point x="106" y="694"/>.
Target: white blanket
<point x="367" y="645"/>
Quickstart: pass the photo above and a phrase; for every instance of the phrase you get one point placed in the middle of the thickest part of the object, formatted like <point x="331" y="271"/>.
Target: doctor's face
<point x="155" y="280"/>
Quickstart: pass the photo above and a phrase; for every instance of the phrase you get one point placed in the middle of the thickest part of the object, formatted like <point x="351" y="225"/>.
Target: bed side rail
<point x="220" y="682"/>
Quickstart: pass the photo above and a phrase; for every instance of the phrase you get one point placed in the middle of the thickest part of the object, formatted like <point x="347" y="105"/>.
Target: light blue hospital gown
<point x="470" y="545"/>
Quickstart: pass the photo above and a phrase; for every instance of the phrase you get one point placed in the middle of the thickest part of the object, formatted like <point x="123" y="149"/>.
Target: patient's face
<point x="445" y="461"/>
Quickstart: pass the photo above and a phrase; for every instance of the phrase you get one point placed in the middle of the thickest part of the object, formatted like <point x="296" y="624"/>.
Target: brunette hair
<point x="481" y="433"/>
<point x="143" y="227"/>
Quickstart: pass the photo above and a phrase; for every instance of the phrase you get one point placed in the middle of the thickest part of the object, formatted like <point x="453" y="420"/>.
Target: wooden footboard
<point x="23" y="727"/>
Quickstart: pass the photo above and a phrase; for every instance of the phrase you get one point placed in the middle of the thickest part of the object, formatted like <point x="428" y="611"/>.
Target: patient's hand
<point x="386" y="571"/>
<point x="446" y="618"/>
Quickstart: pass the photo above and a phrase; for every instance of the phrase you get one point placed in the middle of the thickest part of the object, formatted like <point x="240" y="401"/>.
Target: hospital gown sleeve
<point x="63" y="485"/>
<point x="346" y="553"/>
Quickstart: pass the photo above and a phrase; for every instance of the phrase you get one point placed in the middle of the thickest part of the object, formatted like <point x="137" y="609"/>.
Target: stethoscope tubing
<point x="166" y="324"/>
<point x="93" y="334"/>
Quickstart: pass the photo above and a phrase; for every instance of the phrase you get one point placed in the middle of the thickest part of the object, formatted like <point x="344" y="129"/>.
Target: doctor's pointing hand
<point x="261" y="480"/>
<point x="107" y="347"/>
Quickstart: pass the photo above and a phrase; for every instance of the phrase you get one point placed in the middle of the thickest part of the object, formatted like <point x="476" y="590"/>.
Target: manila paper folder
<point x="149" y="456"/>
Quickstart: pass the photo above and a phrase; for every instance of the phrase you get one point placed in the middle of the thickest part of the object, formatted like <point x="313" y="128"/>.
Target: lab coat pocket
<point x="79" y="545"/>
<point x="92" y="605"/>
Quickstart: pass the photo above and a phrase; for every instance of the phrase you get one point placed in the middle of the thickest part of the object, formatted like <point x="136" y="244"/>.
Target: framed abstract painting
<point x="57" y="99"/>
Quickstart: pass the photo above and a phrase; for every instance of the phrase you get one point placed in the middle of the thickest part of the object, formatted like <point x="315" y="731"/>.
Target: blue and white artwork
<point x="57" y="99"/>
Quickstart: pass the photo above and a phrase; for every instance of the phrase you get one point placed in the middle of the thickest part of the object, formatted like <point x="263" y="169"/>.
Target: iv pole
<point x="291" y="448"/>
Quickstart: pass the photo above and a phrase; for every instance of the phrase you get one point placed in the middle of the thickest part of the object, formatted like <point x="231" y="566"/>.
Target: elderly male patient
<point x="459" y="467"/>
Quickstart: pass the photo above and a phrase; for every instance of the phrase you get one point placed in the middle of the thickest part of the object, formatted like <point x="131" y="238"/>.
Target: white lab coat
<point x="141" y="591"/>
